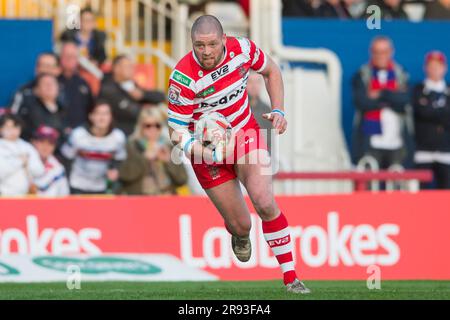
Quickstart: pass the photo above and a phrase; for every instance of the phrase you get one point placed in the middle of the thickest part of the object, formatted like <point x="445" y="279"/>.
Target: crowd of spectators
<point x="357" y="9"/>
<point x="58" y="137"/>
<point x="393" y="114"/>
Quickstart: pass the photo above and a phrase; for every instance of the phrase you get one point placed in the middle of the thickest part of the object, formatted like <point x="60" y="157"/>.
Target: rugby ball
<point x="212" y="128"/>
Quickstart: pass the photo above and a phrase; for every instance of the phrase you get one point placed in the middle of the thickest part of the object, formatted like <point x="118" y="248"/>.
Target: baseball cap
<point x="436" y="55"/>
<point x="46" y="133"/>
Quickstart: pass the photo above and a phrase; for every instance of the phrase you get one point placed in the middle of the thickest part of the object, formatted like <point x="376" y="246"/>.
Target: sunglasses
<point x="151" y="125"/>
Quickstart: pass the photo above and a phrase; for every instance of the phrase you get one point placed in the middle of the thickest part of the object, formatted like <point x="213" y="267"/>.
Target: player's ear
<point x="224" y="39"/>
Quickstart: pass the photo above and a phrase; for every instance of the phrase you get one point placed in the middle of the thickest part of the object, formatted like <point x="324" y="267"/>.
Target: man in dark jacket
<point x="431" y="102"/>
<point x="125" y="96"/>
<point x="380" y="95"/>
<point x="76" y="94"/>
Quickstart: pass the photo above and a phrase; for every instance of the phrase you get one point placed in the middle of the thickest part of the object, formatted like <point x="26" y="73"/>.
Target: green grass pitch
<point x="272" y="290"/>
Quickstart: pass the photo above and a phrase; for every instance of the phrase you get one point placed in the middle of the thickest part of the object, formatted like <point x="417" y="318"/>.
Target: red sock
<point x="277" y="235"/>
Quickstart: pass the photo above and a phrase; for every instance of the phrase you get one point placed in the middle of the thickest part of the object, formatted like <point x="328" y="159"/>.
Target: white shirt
<point x="54" y="182"/>
<point x="14" y="178"/>
<point x="391" y="131"/>
<point x="92" y="156"/>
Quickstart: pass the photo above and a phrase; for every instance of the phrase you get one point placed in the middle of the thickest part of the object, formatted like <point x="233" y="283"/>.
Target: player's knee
<point x="266" y="210"/>
<point x="240" y="228"/>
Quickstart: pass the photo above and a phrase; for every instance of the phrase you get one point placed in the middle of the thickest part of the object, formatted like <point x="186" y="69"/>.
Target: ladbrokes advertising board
<point x="336" y="237"/>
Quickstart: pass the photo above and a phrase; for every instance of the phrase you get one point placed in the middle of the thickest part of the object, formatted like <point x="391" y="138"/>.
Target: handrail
<point x="361" y="178"/>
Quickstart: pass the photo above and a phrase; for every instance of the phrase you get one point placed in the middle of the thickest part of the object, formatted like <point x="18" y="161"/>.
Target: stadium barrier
<point x="336" y="237"/>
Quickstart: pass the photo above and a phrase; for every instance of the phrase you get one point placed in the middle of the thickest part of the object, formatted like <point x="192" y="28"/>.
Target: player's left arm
<point x="275" y="89"/>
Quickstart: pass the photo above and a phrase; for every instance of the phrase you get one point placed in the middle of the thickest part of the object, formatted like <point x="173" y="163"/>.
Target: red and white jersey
<point x="194" y="90"/>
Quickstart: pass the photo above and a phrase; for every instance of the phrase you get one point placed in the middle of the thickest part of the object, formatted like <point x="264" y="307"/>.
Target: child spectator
<point x="96" y="151"/>
<point x="54" y="182"/>
<point x="431" y="102"/>
<point x="19" y="161"/>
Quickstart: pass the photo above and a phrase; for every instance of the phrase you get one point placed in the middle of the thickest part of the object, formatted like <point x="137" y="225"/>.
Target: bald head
<point x="206" y="24"/>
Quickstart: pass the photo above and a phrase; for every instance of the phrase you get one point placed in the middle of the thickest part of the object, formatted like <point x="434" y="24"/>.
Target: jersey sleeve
<point x="181" y="97"/>
<point x="258" y="57"/>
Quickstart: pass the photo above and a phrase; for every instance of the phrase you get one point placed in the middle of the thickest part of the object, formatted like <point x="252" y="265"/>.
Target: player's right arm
<point x="181" y="107"/>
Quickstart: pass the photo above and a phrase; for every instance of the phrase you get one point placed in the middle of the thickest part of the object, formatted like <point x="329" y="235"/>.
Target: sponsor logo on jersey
<point x="206" y="92"/>
<point x="220" y="72"/>
<point x="181" y="78"/>
<point x="225" y="99"/>
<point x="174" y="94"/>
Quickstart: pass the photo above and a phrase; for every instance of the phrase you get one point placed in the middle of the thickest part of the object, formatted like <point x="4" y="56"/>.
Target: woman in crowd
<point x="149" y="168"/>
<point x="96" y="150"/>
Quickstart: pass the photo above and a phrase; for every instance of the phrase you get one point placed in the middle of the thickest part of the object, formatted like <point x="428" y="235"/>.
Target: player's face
<point x="208" y="49"/>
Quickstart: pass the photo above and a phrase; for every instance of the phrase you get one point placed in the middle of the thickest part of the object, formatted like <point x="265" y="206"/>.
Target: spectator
<point x="90" y="40"/>
<point x="438" y="10"/>
<point x="54" y="181"/>
<point x="123" y="94"/>
<point x="75" y="91"/>
<point x="149" y="168"/>
<point x="380" y="97"/>
<point x="46" y="62"/>
<point x="45" y="108"/>
<point x="96" y="151"/>
<point x="431" y="102"/>
<point x="390" y="9"/>
<point x="258" y="107"/>
<point x="295" y="8"/>
<point x="19" y="161"/>
<point x="334" y="9"/>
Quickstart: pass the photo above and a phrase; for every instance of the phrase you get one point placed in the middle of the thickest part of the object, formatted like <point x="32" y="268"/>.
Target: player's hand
<point x="225" y="148"/>
<point x="279" y="123"/>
